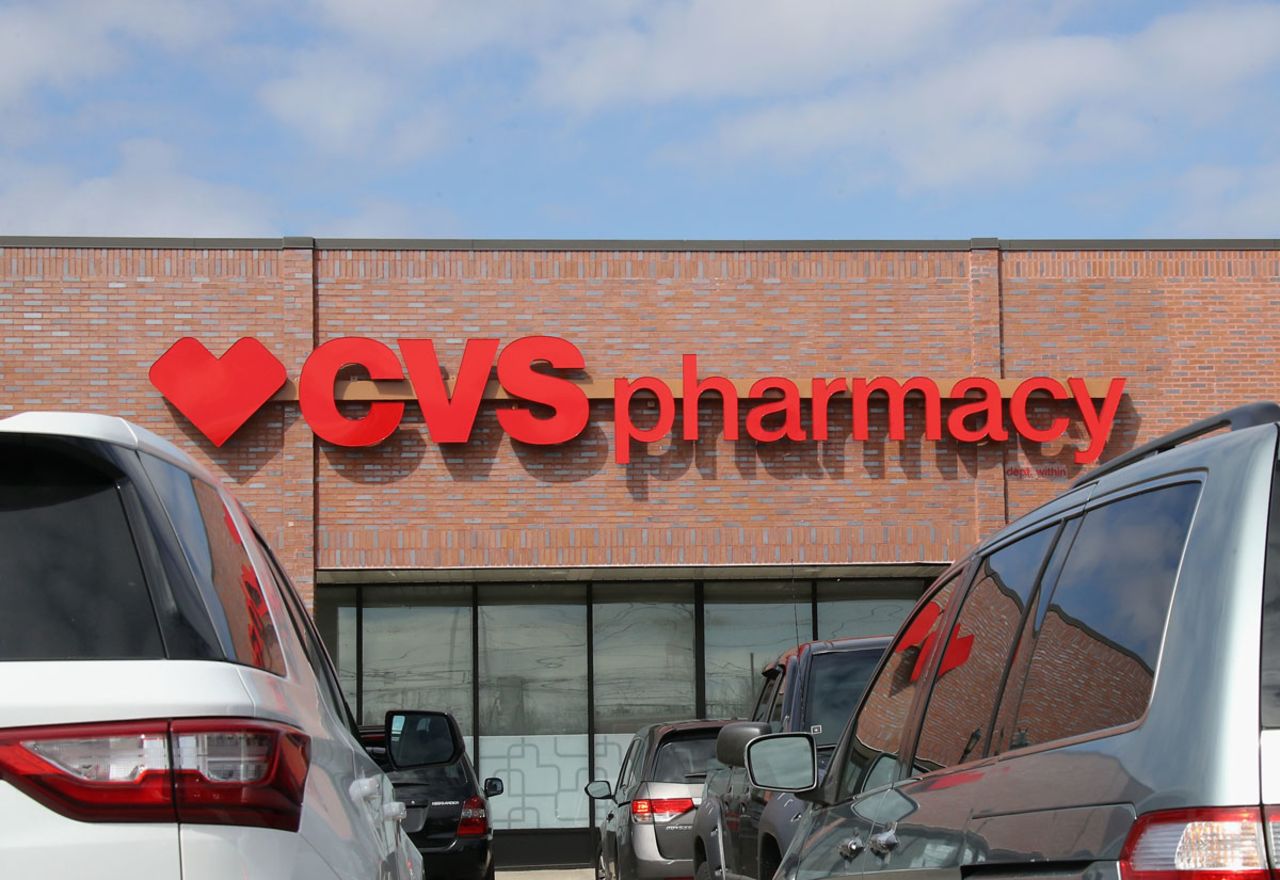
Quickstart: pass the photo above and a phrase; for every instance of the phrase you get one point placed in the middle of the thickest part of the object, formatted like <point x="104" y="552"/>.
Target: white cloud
<point x="346" y="106"/>
<point x="60" y="43"/>
<point x="1220" y="200"/>
<point x="432" y="31"/>
<point x="332" y="99"/>
<point x="702" y="49"/>
<point x="146" y="194"/>
<point x="1015" y="107"/>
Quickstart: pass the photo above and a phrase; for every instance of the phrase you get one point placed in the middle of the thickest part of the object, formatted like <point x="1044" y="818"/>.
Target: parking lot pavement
<point x="552" y="874"/>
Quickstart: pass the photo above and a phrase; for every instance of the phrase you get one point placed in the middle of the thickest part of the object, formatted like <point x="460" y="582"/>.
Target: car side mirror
<point x="783" y="762"/>
<point x="731" y="742"/>
<point x="599" y="789"/>
<point x="419" y="739"/>
<point x="493" y="787"/>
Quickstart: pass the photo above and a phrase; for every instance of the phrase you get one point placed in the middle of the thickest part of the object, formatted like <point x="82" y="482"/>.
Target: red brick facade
<point x="1191" y="330"/>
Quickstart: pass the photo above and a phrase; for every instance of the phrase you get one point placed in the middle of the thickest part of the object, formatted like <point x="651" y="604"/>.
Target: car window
<point x="71" y="582"/>
<point x="957" y="722"/>
<point x="317" y="657"/>
<point x="776" y="712"/>
<point x="836" y="682"/>
<point x="220" y="563"/>
<point x="764" y="703"/>
<point x="1099" y="637"/>
<point x="637" y="765"/>
<point x="1269" y="681"/>
<point x="686" y="758"/>
<point x="877" y="735"/>
<point x="626" y="765"/>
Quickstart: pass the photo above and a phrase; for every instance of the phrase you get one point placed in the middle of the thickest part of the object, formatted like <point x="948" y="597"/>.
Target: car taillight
<point x="1197" y="844"/>
<point x="215" y="771"/>
<point x="649" y="810"/>
<point x="475" y="817"/>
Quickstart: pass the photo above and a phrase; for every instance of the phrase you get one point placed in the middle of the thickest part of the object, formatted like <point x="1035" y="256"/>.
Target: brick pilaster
<point x="987" y="347"/>
<point x="296" y="542"/>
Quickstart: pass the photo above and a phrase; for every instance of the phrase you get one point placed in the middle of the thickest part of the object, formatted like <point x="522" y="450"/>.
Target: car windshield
<point x="836" y="682"/>
<point x="687" y="758"/>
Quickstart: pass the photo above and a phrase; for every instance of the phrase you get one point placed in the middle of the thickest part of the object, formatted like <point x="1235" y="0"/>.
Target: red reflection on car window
<point x="957" y="653"/>
<point x="258" y="619"/>
<point x="231" y="525"/>
<point x="923" y="634"/>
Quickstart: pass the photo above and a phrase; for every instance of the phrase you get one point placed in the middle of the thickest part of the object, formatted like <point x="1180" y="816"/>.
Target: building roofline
<point x="642" y="245"/>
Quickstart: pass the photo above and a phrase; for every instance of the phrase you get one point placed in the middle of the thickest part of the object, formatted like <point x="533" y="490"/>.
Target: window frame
<point x="1194" y="477"/>
<point x="961" y="574"/>
<point x="1054" y="525"/>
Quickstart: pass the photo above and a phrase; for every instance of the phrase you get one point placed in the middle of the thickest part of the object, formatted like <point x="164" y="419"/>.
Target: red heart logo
<point x="218" y="394"/>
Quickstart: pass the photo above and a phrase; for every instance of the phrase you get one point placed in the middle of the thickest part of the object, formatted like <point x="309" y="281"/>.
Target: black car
<point x="447" y="811"/>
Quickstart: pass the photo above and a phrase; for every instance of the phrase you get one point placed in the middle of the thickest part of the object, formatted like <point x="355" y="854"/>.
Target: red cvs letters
<point x="449" y="418"/>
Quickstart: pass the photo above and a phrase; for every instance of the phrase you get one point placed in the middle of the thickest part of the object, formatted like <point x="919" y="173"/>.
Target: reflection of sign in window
<point x="923" y="633"/>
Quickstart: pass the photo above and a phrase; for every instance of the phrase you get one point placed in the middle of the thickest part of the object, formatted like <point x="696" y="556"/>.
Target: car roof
<point x="663" y="728"/>
<point x="831" y="646"/>
<point x="103" y="428"/>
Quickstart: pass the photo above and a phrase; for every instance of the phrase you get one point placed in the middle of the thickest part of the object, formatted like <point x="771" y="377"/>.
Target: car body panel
<point x="1069" y="804"/>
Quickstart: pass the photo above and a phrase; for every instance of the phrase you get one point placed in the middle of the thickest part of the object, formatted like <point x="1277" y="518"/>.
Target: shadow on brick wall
<point x="255" y="445"/>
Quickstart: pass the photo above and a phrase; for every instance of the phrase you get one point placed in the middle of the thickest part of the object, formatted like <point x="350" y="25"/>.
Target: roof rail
<point x="1241" y="417"/>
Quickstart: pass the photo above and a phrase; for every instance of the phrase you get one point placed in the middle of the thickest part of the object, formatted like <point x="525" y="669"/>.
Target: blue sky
<point x="640" y="118"/>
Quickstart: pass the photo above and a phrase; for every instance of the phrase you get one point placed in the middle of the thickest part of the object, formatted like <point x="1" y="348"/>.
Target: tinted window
<point x="873" y="753"/>
<point x="625" y="769"/>
<point x="764" y="702"/>
<point x="836" y="682"/>
<point x="220" y="564"/>
<point x="1270" y="679"/>
<point x="957" y="723"/>
<point x="71" y="584"/>
<point x="686" y="759"/>
<point x="1100" y="636"/>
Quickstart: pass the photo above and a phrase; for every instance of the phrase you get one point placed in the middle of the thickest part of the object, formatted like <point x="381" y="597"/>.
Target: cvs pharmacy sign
<point x="219" y="394"/>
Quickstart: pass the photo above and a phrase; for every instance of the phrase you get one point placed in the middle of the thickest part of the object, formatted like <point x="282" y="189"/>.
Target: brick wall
<point x="1190" y="329"/>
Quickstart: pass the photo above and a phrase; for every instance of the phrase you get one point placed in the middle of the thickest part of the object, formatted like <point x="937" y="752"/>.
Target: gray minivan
<point x="1092" y="692"/>
<point x="647" y="833"/>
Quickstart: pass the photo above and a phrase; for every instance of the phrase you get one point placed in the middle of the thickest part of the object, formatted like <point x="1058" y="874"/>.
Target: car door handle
<point x="883" y="843"/>
<point x="850" y="848"/>
<point x="365" y="788"/>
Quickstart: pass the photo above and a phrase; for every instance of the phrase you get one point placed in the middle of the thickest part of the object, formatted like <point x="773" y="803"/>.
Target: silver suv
<point x="1092" y="692"/>
<point x="167" y="708"/>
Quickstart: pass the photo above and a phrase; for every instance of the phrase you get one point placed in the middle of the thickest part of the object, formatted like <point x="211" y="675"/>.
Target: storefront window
<point x="643" y="663"/>
<point x="336" y="620"/>
<point x="747" y="624"/>
<point x="417" y="651"/>
<point x="533" y="703"/>
<point x="857" y="607"/>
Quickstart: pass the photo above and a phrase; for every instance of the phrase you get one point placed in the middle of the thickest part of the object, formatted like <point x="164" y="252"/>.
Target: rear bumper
<point x="37" y="842"/>
<point x="467" y="858"/>
<point x="648" y="860"/>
